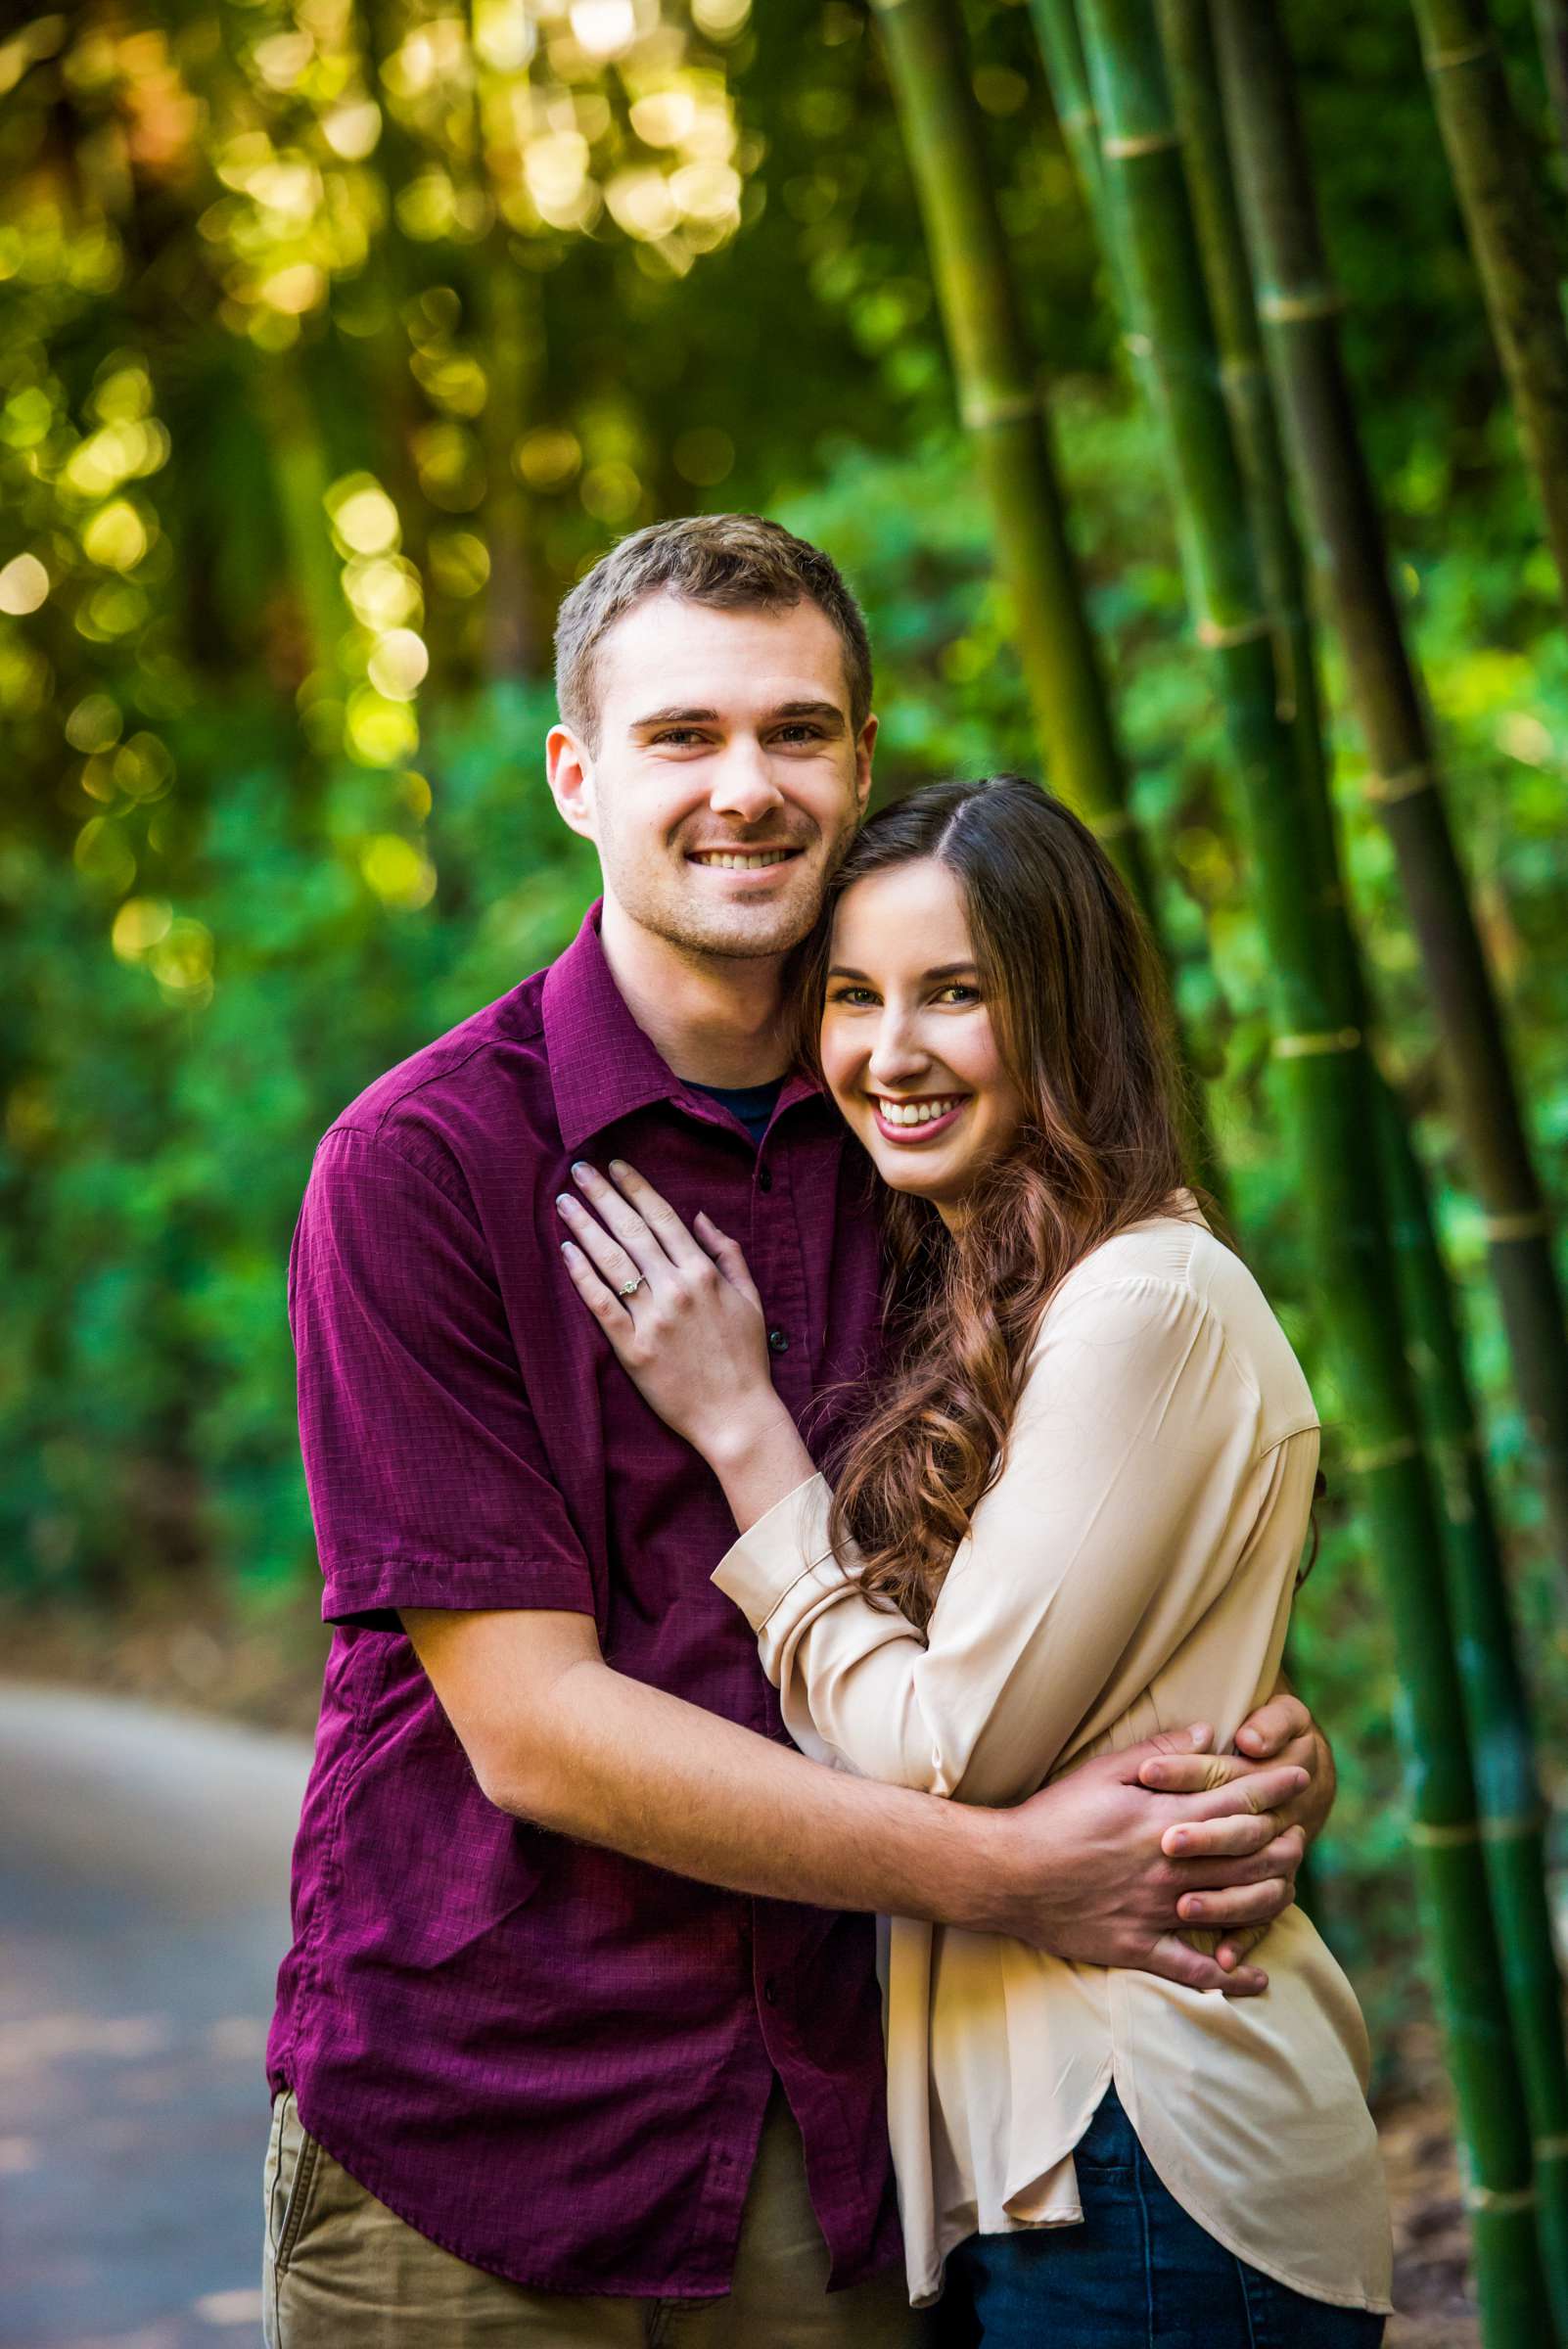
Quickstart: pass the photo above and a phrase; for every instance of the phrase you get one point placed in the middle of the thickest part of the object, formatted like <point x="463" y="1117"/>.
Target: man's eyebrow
<point x="673" y="718"/>
<point x="828" y="711"/>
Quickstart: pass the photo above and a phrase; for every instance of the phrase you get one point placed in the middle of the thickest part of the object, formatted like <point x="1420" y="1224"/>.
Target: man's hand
<point x="1282" y="1730"/>
<point x="1087" y="1872"/>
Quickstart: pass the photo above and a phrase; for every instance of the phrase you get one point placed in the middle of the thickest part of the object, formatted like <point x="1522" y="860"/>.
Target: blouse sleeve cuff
<point x="764" y="1566"/>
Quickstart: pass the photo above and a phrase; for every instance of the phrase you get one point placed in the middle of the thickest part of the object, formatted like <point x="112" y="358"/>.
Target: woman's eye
<point x="852" y="994"/>
<point x="960" y="992"/>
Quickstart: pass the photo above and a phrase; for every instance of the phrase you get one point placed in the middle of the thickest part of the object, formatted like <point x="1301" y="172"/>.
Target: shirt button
<point x="764" y="1179"/>
<point x="778" y="1341"/>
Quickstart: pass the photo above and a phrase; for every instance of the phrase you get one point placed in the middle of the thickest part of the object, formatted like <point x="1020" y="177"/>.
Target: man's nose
<point x="743" y="786"/>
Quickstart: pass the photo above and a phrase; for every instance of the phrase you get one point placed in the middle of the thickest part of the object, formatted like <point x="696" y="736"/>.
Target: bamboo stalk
<point x="1492" y="161"/>
<point x="1319" y="1044"/>
<point x="1513" y="1815"/>
<point x="1551" y="31"/>
<point x="1005" y="410"/>
<point x="1301" y="312"/>
<point x="1187" y="38"/>
<point x="1056" y="27"/>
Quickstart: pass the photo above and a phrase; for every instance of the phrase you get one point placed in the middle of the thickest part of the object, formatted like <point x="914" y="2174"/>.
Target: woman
<point x="1071" y="1517"/>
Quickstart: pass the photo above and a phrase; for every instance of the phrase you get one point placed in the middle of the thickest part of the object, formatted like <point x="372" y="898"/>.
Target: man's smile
<point x="740" y="860"/>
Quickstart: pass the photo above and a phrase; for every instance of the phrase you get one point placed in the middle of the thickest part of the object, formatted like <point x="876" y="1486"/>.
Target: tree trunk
<point x="1318" y="1021"/>
<point x="1301" y="312"/>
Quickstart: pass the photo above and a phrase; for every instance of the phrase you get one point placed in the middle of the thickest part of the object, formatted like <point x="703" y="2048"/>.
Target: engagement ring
<point x="629" y="1288"/>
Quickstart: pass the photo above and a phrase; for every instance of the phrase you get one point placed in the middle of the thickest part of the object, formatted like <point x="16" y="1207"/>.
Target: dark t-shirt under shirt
<point x="753" y="1104"/>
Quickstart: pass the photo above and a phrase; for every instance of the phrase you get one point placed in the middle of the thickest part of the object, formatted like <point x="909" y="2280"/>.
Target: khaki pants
<point x="340" y="2272"/>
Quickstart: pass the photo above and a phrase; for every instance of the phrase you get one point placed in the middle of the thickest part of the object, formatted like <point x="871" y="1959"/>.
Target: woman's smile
<point x="917" y="1122"/>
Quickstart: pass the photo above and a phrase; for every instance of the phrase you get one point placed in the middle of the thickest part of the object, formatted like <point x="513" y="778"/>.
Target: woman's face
<point x="907" y="1046"/>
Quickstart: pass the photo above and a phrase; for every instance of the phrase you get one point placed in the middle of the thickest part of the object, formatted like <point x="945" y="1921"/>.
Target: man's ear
<point x="569" y="766"/>
<point x="863" y="749"/>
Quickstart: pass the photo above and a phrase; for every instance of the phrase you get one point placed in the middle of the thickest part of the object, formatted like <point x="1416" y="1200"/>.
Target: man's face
<point x="727" y="781"/>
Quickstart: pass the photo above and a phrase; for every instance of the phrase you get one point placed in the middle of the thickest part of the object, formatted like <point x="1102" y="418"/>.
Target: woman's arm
<point x="1110" y="1530"/>
<point x="693" y="1340"/>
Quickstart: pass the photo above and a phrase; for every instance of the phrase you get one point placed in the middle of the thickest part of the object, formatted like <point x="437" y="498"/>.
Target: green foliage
<point x="275" y="592"/>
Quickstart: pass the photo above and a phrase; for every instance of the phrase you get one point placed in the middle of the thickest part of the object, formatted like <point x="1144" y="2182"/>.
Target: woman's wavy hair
<point x="1080" y="1012"/>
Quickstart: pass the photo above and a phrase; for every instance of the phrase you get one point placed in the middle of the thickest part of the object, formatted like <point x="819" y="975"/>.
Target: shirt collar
<point x="602" y="1065"/>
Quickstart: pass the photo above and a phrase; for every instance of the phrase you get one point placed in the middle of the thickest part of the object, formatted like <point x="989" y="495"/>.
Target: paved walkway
<point x="143" y="1911"/>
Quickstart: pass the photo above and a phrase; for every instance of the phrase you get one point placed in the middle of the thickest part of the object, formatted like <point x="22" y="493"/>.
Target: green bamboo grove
<point x="1002" y="404"/>
<point x="1301" y="312"/>
<point x="1329" y="1087"/>
<point x="1226" y="511"/>
<point x="1494" y="167"/>
<point x="1510" y="1814"/>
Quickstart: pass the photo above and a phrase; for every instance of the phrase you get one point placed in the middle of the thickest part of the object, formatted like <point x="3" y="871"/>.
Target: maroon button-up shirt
<point x="550" y="2060"/>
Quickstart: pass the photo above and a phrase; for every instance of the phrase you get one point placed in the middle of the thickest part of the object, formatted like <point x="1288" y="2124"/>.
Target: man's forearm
<point x="648" y="1774"/>
<point x="556" y="1736"/>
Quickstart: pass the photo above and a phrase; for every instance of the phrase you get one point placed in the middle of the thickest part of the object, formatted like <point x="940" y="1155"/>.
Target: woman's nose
<point x="897" y="1055"/>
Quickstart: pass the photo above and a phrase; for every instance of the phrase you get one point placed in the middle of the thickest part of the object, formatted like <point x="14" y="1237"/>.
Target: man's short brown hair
<point x="730" y="562"/>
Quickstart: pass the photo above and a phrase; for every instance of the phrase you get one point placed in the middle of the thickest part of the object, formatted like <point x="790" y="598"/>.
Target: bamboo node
<point x="1144" y="142"/>
<point x="1448" y="60"/>
<point x="1310" y="1047"/>
<point x="1432" y="1838"/>
<point x="1534" y="1225"/>
<point x="1383" y="1455"/>
<point x="1216" y="637"/>
<point x="1299" y="309"/>
<point x="1550" y="2148"/>
<point x="1514" y="1827"/>
<point x="982" y="409"/>
<point x="1499" y="2198"/>
<point x="1384" y="790"/>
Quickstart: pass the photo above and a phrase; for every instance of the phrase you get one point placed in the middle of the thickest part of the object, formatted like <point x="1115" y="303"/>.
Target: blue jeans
<point x="1138" y="2274"/>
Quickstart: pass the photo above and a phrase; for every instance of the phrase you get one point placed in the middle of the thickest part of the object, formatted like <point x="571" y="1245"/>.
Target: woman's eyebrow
<point x="940" y="970"/>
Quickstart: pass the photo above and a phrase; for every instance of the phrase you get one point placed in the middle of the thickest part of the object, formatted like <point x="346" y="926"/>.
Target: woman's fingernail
<point x="619" y="1167"/>
<point x="580" y="1166"/>
<point x="564" y="1205"/>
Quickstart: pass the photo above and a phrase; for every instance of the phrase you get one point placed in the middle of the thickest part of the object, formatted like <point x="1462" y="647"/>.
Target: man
<point x="579" y="2039"/>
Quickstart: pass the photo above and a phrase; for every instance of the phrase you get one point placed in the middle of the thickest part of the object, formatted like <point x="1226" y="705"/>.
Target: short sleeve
<point x="429" y="1484"/>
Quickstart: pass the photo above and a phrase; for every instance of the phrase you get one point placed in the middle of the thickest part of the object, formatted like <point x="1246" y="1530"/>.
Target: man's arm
<point x="556" y="1736"/>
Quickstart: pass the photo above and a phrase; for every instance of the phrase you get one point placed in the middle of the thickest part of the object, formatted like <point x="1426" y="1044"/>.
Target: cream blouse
<point x="1130" y="1570"/>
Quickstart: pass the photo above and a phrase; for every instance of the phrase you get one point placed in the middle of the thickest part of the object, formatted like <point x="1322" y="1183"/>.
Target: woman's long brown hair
<point x="1078" y="1005"/>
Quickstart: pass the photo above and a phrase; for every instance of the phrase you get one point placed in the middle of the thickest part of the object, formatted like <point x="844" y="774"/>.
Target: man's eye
<point x="802" y="733"/>
<point x="678" y="737"/>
